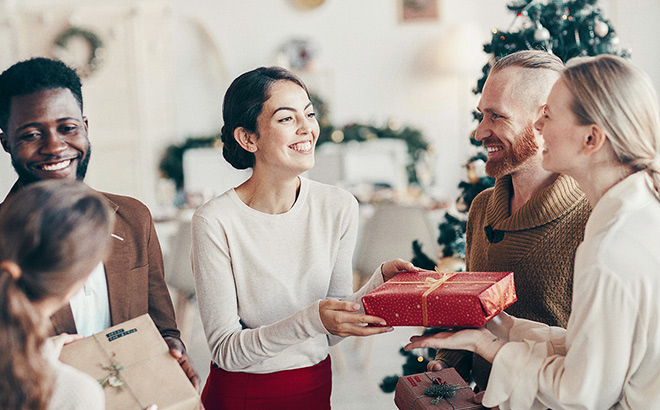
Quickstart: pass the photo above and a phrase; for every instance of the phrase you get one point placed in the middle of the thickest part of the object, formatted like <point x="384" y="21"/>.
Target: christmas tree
<point x="566" y="28"/>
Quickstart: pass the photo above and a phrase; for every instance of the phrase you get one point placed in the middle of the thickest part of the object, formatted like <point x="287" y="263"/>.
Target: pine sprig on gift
<point x="442" y="390"/>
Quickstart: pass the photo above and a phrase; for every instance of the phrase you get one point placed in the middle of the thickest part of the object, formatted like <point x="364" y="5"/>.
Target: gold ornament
<point x="472" y="175"/>
<point x="461" y="206"/>
<point x="337" y="136"/>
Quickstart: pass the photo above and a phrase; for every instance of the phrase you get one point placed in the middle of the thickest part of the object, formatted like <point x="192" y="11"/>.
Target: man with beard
<point x="532" y="220"/>
<point x="45" y="132"/>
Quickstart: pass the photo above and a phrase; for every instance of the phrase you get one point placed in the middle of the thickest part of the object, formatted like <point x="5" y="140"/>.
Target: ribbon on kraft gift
<point x="434" y="284"/>
<point x="114" y="378"/>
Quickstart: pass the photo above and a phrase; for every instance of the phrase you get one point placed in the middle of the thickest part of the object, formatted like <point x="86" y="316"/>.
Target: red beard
<point x="524" y="147"/>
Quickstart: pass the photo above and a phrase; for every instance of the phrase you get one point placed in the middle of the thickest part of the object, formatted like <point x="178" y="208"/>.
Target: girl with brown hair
<point x="52" y="235"/>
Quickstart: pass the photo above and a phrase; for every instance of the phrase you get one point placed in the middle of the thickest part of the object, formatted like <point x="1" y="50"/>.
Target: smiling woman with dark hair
<point x="273" y="256"/>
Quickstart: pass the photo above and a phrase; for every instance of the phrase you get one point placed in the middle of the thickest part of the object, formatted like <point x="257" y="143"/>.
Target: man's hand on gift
<point x="480" y="341"/>
<point x="340" y="319"/>
<point x="436" y="365"/>
<point x="392" y="268"/>
<point x="178" y="351"/>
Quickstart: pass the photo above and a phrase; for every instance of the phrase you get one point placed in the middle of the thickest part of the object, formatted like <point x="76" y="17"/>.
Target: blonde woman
<point x="602" y="127"/>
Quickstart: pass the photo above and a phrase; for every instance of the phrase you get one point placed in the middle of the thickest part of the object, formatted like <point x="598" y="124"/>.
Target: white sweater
<point x="73" y="390"/>
<point x="259" y="277"/>
<point x="608" y="356"/>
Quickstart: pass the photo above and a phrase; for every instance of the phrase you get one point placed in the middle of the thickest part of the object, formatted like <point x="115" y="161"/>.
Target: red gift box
<point x="434" y="299"/>
<point x="415" y="392"/>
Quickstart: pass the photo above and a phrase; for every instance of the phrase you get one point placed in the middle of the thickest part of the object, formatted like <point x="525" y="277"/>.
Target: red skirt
<point x="305" y="388"/>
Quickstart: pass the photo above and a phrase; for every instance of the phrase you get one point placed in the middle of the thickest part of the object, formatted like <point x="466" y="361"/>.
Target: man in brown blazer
<point x="45" y="132"/>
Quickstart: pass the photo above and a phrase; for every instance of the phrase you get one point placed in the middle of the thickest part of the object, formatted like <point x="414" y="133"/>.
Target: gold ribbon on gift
<point x="434" y="284"/>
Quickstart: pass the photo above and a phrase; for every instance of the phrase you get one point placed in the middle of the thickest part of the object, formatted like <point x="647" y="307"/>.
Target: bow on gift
<point x="114" y="377"/>
<point x="434" y="284"/>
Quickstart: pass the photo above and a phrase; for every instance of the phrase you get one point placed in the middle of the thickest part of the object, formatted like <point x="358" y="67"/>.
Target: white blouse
<point x="73" y="390"/>
<point x="609" y="355"/>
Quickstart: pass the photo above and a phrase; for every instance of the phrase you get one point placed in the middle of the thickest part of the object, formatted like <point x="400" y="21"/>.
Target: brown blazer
<point x="133" y="270"/>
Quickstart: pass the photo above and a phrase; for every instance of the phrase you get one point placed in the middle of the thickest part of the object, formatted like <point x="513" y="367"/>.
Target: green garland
<point x="171" y="164"/>
<point x="361" y="132"/>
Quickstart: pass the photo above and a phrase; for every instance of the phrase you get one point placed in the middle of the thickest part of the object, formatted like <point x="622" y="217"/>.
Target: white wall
<point x="637" y="25"/>
<point x="371" y="67"/>
<point x="374" y="67"/>
<point x="128" y="99"/>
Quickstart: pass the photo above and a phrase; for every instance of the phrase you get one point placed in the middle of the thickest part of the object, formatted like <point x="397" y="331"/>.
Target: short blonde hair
<point x="618" y="96"/>
<point x="532" y="59"/>
<point x="538" y="71"/>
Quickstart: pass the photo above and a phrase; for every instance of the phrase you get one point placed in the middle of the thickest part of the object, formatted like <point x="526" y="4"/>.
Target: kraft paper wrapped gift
<point x="133" y="364"/>
<point x="441" y="299"/>
<point x="441" y="390"/>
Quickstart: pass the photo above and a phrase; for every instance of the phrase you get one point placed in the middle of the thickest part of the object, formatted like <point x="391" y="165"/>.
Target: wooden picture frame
<point x="418" y="10"/>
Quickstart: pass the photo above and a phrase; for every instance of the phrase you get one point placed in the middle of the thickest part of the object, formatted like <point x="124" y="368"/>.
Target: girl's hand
<point x="392" y="268"/>
<point x="64" y="339"/>
<point x="480" y="341"/>
<point x="339" y="319"/>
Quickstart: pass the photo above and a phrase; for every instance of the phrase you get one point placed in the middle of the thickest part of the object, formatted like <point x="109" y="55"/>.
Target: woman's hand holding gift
<point x="340" y="319"/>
<point x="392" y="268"/>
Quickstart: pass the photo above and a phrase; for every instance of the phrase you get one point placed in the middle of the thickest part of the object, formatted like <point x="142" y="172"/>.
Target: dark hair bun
<point x="234" y="153"/>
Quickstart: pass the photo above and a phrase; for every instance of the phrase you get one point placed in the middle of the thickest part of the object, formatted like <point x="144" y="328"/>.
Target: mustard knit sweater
<point x="537" y="243"/>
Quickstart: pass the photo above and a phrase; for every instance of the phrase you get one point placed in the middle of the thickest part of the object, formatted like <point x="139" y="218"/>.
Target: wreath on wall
<point x="92" y="57"/>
